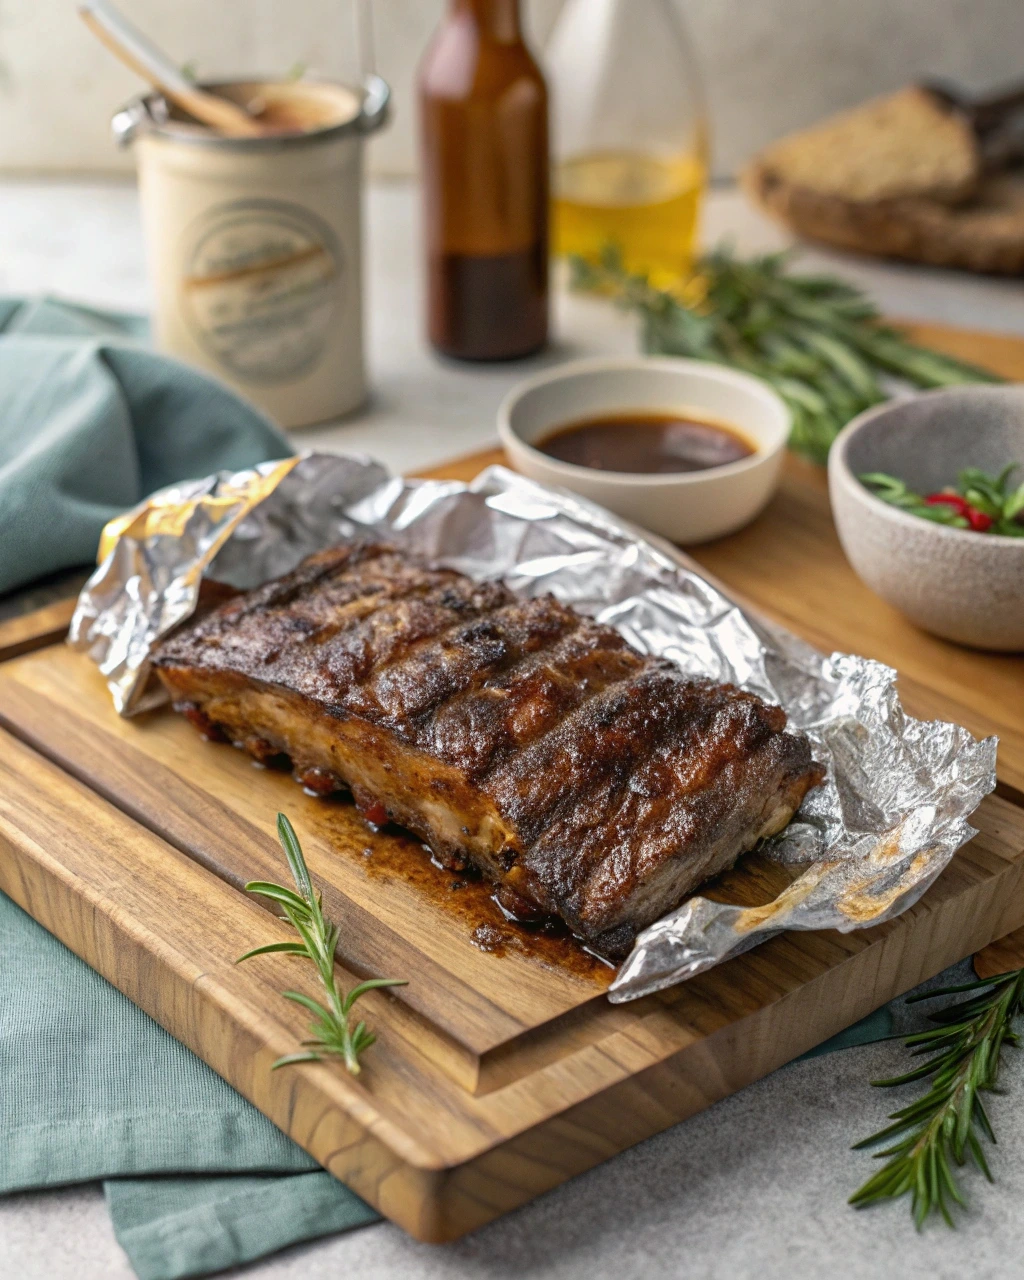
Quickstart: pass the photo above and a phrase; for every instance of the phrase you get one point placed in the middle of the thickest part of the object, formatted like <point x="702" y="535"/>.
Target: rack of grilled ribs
<point x="584" y="779"/>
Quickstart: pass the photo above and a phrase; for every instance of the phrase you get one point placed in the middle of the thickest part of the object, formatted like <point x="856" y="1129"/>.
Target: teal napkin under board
<point x="196" y="1179"/>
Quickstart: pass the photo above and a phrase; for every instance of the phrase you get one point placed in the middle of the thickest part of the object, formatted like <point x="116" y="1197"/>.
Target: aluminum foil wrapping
<point x="865" y="846"/>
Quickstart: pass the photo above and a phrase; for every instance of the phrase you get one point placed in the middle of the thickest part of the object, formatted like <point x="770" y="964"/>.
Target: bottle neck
<point x="496" y="20"/>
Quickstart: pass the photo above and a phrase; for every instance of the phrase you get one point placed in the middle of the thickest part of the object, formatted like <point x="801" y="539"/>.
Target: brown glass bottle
<point x="484" y="115"/>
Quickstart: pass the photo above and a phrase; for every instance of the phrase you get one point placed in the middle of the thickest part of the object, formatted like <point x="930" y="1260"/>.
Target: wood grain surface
<point x="1001" y="956"/>
<point x="498" y="1073"/>
<point x="35" y="628"/>
<point x="208" y="800"/>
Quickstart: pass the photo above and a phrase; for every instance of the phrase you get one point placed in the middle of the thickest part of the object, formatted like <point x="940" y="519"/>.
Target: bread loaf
<point x="909" y="144"/>
<point x="899" y="177"/>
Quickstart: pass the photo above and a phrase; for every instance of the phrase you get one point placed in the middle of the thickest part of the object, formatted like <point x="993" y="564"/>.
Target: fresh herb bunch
<point x="332" y="1033"/>
<point x="814" y="338"/>
<point x="944" y="1125"/>
<point x="979" y="501"/>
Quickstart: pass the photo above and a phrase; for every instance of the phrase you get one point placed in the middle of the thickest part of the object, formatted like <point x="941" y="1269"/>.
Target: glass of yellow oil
<point x="649" y="207"/>
<point x="630" y="137"/>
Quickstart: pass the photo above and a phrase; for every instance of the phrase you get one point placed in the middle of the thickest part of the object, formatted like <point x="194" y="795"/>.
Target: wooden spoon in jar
<point x="146" y="60"/>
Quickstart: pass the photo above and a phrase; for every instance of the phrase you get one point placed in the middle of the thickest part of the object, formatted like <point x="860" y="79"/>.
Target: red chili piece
<point x="319" y="781"/>
<point x="376" y="813"/>
<point x="978" y="520"/>
<point x="948" y="499"/>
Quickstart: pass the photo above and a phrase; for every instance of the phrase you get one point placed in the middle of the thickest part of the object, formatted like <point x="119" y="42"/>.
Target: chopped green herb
<point x="984" y="503"/>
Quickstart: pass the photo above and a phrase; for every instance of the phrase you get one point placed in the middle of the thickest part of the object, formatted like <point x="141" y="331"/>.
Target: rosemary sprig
<point x="814" y="338"/>
<point x="944" y="1125"/>
<point x="332" y="1034"/>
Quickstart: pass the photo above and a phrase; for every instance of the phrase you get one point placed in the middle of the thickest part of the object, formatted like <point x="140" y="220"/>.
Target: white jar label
<point x="262" y="282"/>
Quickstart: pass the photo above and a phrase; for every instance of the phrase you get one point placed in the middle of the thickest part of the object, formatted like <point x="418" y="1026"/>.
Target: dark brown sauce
<point x="389" y="852"/>
<point x="392" y="853"/>
<point x="646" y="444"/>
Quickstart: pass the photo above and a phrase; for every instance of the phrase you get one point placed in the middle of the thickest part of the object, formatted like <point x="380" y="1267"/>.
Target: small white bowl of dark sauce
<point x="687" y="449"/>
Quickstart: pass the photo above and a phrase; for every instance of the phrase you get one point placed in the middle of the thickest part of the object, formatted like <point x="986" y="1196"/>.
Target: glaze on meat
<point x="584" y="779"/>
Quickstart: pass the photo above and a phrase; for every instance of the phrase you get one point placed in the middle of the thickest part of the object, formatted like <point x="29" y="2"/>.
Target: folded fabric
<point x="174" y="1227"/>
<point x="91" y="422"/>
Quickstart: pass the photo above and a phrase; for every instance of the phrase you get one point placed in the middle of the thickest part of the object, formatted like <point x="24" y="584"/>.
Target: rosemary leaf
<point x="289" y="948"/>
<point x="332" y="1035"/>
<point x="947" y="1120"/>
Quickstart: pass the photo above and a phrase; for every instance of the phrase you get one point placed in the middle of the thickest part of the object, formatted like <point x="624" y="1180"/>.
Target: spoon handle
<point x="146" y="60"/>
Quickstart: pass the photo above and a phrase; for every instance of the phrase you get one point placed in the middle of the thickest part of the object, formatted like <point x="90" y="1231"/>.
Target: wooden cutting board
<point x="501" y="1070"/>
<point x="498" y="1073"/>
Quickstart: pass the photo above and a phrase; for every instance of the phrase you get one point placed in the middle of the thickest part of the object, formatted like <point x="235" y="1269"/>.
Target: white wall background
<point x="770" y="65"/>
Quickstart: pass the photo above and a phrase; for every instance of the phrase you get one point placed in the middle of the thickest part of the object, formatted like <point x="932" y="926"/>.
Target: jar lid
<point x="298" y="113"/>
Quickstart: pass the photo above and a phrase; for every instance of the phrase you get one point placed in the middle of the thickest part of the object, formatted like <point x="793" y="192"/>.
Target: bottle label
<point x="262" y="282"/>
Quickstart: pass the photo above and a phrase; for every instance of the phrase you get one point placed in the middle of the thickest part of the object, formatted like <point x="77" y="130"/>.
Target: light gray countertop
<point x="755" y="1186"/>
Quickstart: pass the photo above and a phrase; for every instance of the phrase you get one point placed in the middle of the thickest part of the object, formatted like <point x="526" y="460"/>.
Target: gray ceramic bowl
<point x="962" y="585"/>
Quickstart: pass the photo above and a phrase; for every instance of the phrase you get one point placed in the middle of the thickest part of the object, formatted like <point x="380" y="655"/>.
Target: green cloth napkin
<point x="91" y="422"/>
<point x="171" y="1227"/>
<point x="196" y="1178"/>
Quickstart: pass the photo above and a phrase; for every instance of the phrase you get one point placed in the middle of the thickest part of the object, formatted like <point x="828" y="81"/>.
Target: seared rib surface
<point x="584" y="779"/>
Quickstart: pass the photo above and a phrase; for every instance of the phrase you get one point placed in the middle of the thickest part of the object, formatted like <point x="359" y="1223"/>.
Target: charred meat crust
<point x="585" y="779"/>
